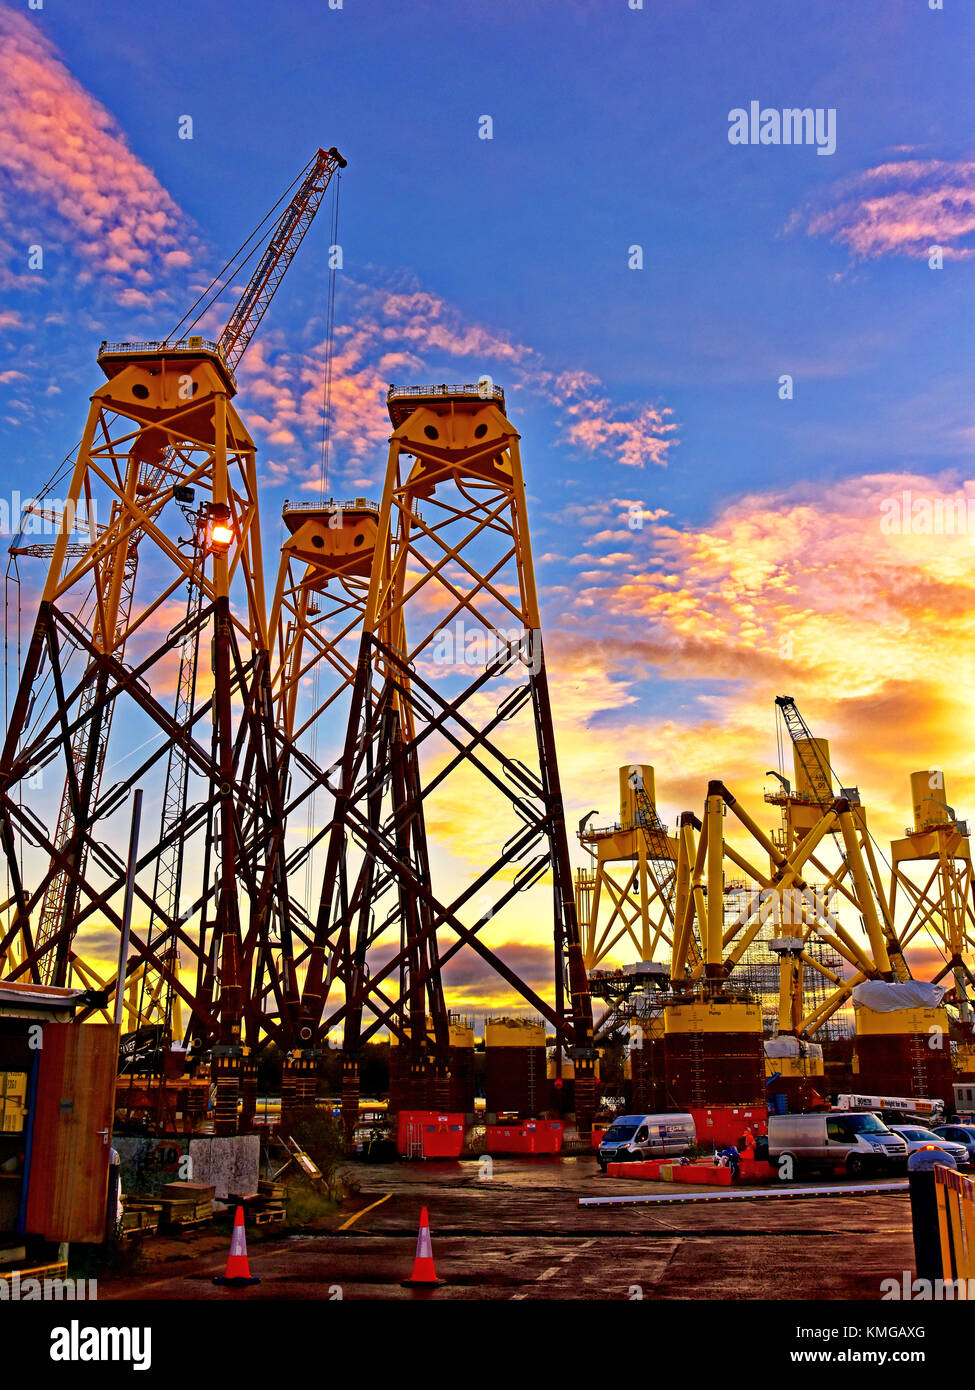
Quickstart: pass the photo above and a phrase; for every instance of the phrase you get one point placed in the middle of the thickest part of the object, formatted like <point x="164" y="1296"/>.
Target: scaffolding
<point x="758" y="972"/>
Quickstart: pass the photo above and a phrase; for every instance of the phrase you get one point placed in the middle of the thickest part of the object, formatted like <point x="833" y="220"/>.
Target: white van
<point x="860" y="1141"/>
<point x="632" y="1137"/>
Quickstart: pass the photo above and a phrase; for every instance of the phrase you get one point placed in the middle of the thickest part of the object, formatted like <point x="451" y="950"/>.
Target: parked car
<point x="960" y="1134"/>
<point x="632" y="1137"/>
<point x="860" y="1141"/>
<point x="918" y="1137"/>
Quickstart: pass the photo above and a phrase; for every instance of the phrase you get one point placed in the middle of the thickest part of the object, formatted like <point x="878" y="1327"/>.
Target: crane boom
<point x="815" y="766"/>
<point x="278" y="255"/>
<point x="820" y="774"/>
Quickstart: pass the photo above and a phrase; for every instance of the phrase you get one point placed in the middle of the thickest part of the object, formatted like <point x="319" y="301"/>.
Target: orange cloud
<point x="843" y="596"/>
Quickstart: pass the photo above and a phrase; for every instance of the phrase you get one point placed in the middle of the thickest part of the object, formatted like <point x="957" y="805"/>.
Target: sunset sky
<point x="701" y="543"/>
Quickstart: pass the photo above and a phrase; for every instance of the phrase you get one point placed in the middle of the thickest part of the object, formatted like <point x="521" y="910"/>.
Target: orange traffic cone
<point x="238" y="1271"/>
<point x="423" y="1270"/>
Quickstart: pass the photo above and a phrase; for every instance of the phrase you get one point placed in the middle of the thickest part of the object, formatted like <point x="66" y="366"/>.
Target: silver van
<point x="632" y="1137"/>
<point x="858" y="1140"/>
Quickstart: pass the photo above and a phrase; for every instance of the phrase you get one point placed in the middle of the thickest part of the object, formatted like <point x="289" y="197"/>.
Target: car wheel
<point x="855" y="1166"/>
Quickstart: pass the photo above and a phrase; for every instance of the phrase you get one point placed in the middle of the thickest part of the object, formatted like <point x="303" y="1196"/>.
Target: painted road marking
<point x="662" y="1199"/>
<point x="548" y="1273"/>
<point x="352" y="1219"/>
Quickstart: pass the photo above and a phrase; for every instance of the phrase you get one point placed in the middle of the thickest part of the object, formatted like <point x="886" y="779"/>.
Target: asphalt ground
<point x="514" y="1230"/>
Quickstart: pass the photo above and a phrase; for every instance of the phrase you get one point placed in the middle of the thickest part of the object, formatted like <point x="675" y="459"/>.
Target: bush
<point x="324" y="1143"/>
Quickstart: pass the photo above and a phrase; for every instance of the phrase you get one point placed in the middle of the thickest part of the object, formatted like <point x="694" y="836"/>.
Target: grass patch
<point x="308" y="1202"/>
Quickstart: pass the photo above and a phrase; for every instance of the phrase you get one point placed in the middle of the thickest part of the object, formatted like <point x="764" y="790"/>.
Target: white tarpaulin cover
<point x="788" y="1046"/>
<point x="884" y="997"/>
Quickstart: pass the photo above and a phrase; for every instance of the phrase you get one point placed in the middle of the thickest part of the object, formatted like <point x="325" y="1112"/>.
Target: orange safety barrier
<point x="755" y="1170"/>
<point x="956" y="1222"/>
<point x="647" y="1168"/>
<point x="705" y="1173"/>
<point x="654" y="1170"/>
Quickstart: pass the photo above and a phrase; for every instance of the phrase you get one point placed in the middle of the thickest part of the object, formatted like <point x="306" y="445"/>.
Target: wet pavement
<point x="513" y="1229"/>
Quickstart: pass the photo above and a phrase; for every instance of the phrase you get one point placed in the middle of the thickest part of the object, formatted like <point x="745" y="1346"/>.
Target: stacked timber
<point x="187" y="1204"/>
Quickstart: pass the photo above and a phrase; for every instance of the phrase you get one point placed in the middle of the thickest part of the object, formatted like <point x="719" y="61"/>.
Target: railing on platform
<point x="468" y="389"/>
<point x="188" y="344"/>
<point x="358" y="504"/>
<point x="601" y="832"/>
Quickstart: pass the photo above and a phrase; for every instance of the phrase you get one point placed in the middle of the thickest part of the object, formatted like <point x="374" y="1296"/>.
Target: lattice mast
<point x="420" y="729"/>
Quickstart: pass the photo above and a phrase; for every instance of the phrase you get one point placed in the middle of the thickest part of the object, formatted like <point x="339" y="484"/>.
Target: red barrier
<point x="531" y="1137"/>
<point x="647" y="1169"/>
<point x="753" y="1171"/>
<point x="704" y="1173"/>
<point x="599" y="1128"/>
<point x="657" y="1170"/>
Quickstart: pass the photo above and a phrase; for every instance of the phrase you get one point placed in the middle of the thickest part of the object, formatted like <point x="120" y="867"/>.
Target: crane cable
<point x="322" y="490"/>
<point x="329" y="339"/>
<point x="229" y="269"/>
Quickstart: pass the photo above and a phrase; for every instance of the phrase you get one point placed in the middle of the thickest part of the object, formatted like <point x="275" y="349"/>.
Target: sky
<point x="742" y="372"/>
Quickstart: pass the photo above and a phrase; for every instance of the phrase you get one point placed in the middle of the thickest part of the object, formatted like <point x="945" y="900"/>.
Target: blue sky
<point x="610" y="128"/>
<point x="655" y="388"/>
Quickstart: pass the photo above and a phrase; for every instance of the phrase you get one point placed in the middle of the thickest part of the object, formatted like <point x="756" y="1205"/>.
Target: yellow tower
<point x="450" y="718"/>
<point x="315" y="627"/>
<point x="932" y="887"/>
<point x="625" y="897"/>
<point x="162" y="436"/>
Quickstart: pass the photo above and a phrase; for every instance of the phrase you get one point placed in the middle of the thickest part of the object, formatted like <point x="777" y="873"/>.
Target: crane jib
<point x="278" y="254"/>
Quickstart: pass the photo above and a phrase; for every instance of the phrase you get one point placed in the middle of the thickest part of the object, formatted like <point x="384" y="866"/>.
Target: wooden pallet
<point x="133" y="1231"/>
<point x="188" y="1223"/>
<point x="270" y="1215"/>
<point x="178" y="1212"/>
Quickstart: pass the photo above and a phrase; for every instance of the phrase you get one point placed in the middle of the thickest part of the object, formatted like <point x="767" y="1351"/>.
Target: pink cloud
<point x="60" y="149"/>
<point x="900" y="208"/>
<point x="399" y="336"/>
